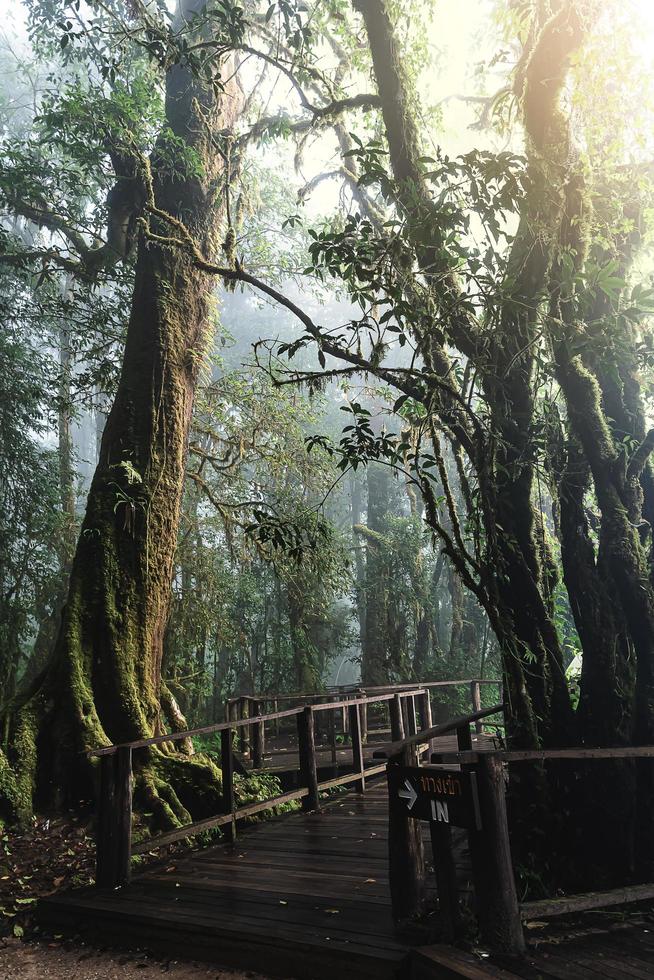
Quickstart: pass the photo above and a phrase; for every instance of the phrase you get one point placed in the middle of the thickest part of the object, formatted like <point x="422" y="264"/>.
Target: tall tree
<point x="104" y="681"/>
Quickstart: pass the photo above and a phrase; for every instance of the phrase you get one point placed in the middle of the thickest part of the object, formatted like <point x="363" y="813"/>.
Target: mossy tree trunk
<point x="104" y="681"/>
<point x="540" y="708"/>
<point x="607" y="572"/>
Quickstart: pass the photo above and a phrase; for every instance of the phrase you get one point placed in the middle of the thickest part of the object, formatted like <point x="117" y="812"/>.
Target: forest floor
<point x="72" y="960"/>
<point x="55" y="854"/>
<point x="48" y="856"/>
<point x="37" y="861"/>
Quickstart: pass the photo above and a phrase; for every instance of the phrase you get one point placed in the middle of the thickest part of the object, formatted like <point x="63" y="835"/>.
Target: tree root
<point x="177" y="789"/>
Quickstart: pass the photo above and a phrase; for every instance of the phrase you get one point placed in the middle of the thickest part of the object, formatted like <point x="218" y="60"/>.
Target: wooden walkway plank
<point x="277" y="953"/>
<point x="296" y="884"/>
<point x="306" y="896"/>
<point x="447" y="963"/>
<point x="356" y="917"/>
<point x="301" y="889"/>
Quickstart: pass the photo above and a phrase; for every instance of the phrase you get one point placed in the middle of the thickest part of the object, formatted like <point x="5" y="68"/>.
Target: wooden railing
<point x="488" y="845"/>
<point x="253" y="705"/>
<point x="588" y="900"/>
<point x="409" y="711"/>
<point x="499" y="912"/>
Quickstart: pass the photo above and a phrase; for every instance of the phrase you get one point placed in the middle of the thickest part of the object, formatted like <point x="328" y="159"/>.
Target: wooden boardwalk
<point x="282" y="756"/>
<point x="299" y="896"/>
<point x="306" y="896"/>
<point x="624" y="953"/>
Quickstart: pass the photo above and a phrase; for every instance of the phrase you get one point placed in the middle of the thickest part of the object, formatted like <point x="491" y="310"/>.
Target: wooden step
<point x="449" y="963"/>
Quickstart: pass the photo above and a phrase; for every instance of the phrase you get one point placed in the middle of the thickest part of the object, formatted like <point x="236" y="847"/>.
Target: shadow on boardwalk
<point x="303" y="895"/>
<point x="306" y="896"/>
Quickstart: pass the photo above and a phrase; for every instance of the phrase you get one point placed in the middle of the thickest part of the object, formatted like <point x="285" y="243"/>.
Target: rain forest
<point x="327" y="398"/>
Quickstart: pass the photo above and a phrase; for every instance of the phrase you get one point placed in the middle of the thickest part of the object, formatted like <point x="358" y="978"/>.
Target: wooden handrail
<point x="543" y="755"/>
<point x="430" y="684"/>
<point x="368" y="700"/>
<point x="242" y="723"/>
<point x="205" y="730"/>
<point x="540" y="755"/>
<point x="365" y="689"/>
<point x="585" y="901"/>
<point x="395" y="748"/>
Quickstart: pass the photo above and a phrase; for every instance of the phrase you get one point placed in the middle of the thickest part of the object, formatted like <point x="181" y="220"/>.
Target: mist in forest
<point x="326" y="362"/>
<point x="372" y="600"/>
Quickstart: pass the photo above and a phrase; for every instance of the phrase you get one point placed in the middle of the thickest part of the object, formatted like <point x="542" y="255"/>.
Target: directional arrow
<point x="409" y="794"/>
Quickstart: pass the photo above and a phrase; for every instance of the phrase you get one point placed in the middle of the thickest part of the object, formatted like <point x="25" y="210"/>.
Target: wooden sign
<point x="439" y="795"/>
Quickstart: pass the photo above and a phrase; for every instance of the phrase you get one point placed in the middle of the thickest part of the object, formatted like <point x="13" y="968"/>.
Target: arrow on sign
<point x="409" y="794"/>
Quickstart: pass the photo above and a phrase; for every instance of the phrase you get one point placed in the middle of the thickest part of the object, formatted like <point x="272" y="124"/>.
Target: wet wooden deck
<point x="306" y="896"/>
<point x="615" y="951"/>
<point x="624" y="953"/>
<point x="299" y="896"/>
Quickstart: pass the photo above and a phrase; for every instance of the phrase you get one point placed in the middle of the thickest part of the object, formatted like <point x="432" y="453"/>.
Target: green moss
<point x="10" y="803"/>
<point x="584" y="403"/>
<point x="18" y="779"/>
<point x="103" y="682"/>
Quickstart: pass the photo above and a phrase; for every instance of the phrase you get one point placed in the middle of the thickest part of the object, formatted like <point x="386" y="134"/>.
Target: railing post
<point x="307" y="753"/>
<point x="257" y="736"/>
<point x="242" y="713"/>
<point x="496" y="898"/>
<point x="114" y="840"/>
<point x="475" y="696"/>
<point x="445" y="872"/>
<point x="397" y="724"/>
<point x="364" y="719"/>
<point x="406" y="862"/>
<point x="227" y="764"/>
<point x="425" y="710"/>
<point x="411" y="721"/>
<point x="464" y="738"/>
<point x="357" y="747"/>
<point x="446" y="883"/>
<point x="332" y="735"/>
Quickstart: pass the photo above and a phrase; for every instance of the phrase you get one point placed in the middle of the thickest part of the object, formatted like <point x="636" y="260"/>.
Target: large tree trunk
<point x="609" y="585"/>
<point x="105" y="679"/>
<point x="534" y="680"/>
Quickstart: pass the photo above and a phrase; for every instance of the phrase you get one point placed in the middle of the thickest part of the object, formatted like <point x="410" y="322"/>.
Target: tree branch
<point x="640" y="456"/>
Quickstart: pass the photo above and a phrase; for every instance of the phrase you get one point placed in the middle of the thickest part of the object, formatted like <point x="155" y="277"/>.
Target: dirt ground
<point x="53" y="960"/>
